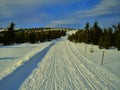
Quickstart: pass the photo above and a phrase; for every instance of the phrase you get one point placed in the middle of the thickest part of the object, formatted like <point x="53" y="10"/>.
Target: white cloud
<point x="25" y="3"/>
<point x="62" y="22"/>
<point x="37" y="18"/>
<point x="66" y="21"/>
<point x="106" y="4"/>
<point x="103" y="8"/>
<point x="16" y="8"/>
<point x="9" y="8"/>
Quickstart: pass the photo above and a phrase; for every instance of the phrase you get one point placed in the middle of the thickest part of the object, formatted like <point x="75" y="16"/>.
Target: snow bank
<point x="14" y="56"/>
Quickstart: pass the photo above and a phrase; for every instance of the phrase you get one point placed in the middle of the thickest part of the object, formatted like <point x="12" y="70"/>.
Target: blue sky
<point x="59" y="13"/>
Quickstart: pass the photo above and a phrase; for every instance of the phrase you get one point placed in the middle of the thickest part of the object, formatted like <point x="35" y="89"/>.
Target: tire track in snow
<point x="69" y="76"/>
<point x="109" y="80"/>
<point x="88" y="83"/>
<point x="75" y="83"/>
<point x="14" y="80"/>
<point x="86" y="73"/>
<point x="53" y="73"/>
<point x="100" y="76"/>
<point x="49" y="82"/>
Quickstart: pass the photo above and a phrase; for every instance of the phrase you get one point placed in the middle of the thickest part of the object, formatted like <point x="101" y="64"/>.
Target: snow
<point x="13" y="56"/>
<point x="111" y="58"/>
<point x="58" y="65"/>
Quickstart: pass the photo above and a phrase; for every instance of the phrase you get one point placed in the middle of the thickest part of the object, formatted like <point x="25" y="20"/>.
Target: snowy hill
<point x="58" y="65"/>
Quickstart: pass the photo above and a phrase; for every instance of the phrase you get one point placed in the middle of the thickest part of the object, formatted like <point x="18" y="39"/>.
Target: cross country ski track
<point x="60" y="66"/>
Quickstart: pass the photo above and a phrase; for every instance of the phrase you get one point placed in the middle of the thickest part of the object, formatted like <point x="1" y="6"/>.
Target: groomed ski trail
<point x="65" y="68"/>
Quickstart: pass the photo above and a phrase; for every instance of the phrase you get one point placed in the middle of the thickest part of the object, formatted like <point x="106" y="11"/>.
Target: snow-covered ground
<point x="58" y="65"/>
<point x="13" y="56"/>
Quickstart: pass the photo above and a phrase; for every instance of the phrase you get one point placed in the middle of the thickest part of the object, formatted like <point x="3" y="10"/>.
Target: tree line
<point x="12" y="36"/>
<point x="104" y="38"/>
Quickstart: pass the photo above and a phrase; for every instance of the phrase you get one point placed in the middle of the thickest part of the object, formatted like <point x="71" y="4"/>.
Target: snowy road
<point x="63" y="67"/>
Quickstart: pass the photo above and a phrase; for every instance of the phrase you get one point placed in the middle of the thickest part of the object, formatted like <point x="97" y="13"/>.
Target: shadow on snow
<point x="11" y="58"/>
<point x="14" y="80"/>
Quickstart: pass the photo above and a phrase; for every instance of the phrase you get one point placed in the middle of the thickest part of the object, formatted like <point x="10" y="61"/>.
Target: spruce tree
<point x="32" y="38"/>
<point x="117" y="34"/>
<point x="96" y="33"/>
<point x="9" y="35"/>
<point x="108" y="38"/>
